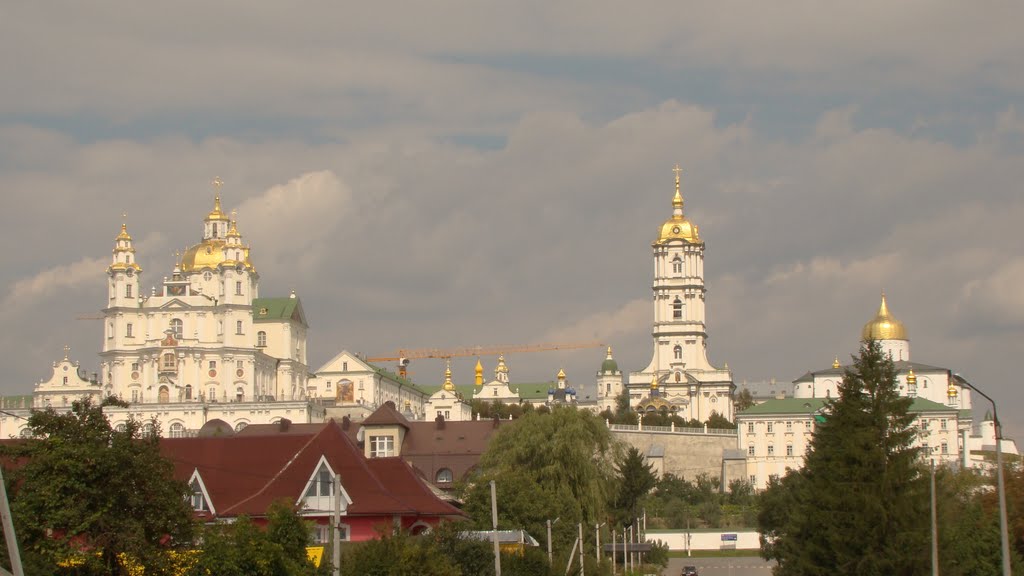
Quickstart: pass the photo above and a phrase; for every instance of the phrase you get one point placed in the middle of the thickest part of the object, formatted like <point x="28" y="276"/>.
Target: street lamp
<point x="1003" y="537"/>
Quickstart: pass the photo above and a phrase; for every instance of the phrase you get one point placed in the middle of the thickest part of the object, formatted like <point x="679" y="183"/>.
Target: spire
<point x="677" y="200"/>
<point x="448" y="375"/>
<point x="479" y="371"/>
<point x="501" y="370"/>
<point x="124" y="252"/>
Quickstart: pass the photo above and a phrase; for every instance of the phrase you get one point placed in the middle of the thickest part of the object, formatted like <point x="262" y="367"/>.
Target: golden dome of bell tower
<point x="221" y="245"/>
<point x="678" y="227"/>
<point x="884" y="326"/>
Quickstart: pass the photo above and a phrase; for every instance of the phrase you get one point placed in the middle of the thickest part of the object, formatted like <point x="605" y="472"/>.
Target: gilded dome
<point x="678" y="227"/>
<point x="884" y="326"/>
<point x="210" y="253"/>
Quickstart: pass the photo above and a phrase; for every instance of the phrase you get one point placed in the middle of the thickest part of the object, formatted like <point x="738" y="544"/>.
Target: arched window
<point x="239" y="394"/>
<point x="677" y="309"/>
<point x="177" y="430"/>
<point x="444" y="476"/>
<point x="164" y="395"/>
<point x="678" y="352"/>
<point x="261" y="339"/>
<point x="240" y="426"/>
<point x="188" y="391"/>
<point x="677" y="265"/>
<point x="177" y="327"/>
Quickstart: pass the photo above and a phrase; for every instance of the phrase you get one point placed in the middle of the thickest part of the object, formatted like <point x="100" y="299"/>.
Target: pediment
<point x="174" y="304"/>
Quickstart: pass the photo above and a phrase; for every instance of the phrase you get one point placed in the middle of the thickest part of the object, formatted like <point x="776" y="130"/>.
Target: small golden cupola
<point x="678" y="227"/>
<point x="478" y="373"/>
<point x="448" y="386"/>
<point x="124" y="253"/>
<point x="835" y="363"/>
<point x="501" y="370"/>
<point x="884" y="326"/>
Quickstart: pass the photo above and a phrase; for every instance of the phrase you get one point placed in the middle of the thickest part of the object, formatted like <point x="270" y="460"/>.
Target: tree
<point x="860" y="504"/>
<point x="636" y="479"/>
<point x="719" y="422"/>
<point x="95" y="500"/>
<point x="546" y="466"/>
<point x="744" y="400"/>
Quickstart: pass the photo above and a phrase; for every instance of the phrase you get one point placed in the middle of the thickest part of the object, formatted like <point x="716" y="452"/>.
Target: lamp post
<point x="1003" y="537"/>
<point x="549" y="537"/>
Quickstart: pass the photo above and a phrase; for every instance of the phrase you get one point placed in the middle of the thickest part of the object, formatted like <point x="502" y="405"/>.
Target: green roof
<point x="924" y="405"/>
<point x="277" y="309"/>
<point x="533" y="390"/>
<point x="786" y="406"/>
<point x="609" y="365"/>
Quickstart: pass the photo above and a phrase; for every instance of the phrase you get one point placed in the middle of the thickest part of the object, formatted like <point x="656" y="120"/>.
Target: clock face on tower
<point x="130" y="272"/>
<point x="675" y="229"/>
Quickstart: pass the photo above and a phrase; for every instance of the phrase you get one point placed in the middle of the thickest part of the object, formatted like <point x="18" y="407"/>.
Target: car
<point x="689" y="571"/>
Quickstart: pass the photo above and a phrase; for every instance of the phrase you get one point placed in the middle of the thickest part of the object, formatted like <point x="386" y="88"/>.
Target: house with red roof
<point x="242" y="474"/>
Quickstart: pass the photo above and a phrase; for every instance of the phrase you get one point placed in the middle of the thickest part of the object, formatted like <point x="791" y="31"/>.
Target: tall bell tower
<point x="687" y="382"/>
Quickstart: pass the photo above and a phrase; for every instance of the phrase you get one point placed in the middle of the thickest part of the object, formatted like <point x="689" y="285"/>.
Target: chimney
<point x="439" y="422"/>
<point x="283" y="425"/>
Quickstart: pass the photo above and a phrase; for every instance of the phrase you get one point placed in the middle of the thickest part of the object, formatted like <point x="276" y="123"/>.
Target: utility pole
<point x="336" y="531"/>
<point x="12" y="542"/>
<point x="581" y="548"/>
<point x="494" y="530"/>
<point x="549" y="542"/>
<point x="613" y="550"/>
<point x="935" y="529"/>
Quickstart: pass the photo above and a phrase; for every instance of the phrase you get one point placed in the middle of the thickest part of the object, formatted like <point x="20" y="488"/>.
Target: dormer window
<point x="198" y="500"/>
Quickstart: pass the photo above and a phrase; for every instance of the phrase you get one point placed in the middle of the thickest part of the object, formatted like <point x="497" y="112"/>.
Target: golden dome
<point x="124" y="233"/>
<point x="479" y="370"/>
<point x="912" y="378"/>
<point x="233" y="232"/>
<point x="448" y="376"/>
<point x="884" y="326"/>
<point x="561" y="374"/>
<point x="210" y="253"/>
<point x="835" y="363"/>
<point x="678" y="227"/>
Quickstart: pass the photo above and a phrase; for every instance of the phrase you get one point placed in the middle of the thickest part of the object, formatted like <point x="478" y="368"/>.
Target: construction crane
<point x="404" y="356"/>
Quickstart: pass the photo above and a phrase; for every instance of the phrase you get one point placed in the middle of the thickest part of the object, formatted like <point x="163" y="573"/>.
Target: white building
<point x="680" y="378"/>
<point x="776" y="434"/>
<point x="356" y="388"/>
<point x="201" y="345"/>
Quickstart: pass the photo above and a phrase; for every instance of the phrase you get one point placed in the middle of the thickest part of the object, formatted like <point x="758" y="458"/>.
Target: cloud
<point x="27" y="293"/>
<point x="995" y="300"/>
<point x="629" y="321"/>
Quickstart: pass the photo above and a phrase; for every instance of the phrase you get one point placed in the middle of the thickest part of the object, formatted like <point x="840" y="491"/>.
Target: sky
<point x="465" y="173"/>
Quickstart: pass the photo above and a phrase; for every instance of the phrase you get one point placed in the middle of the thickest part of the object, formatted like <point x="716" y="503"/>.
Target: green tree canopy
<point x="635" y="479"/>
<point x="94" y="500"/>
<point x="860" y="504"/>
<point x="546" y="466"/>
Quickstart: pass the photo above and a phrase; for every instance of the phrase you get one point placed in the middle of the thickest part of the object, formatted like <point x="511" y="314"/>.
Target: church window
<point x="135" y="366"/>
<point x="169" y="362"/>
<point x="750" y="427"/>
<point x="240" y="426"/>
<point x="753" y="480"/>
<point x="110" y="330"/>
<point x="238" y="327"/>
<point x="188" y="392"/>
<point x="135" y="395"/>
<point x="177" y="327"/>
<point x="789" y="449"/>
<point x="771" y="449"/>
<point x="750" y="450"/>
<point x="214" y="229"/>
<point x="807" y="425"/>
<point x="945" y="448"/>
<point x="65" y="380"/>
<point x="207" y="276"/>
<point x="177" y="430"/>
<point x="770" y="430"/>
<point x="239" y="394"/>
<point x="238" y="288"/>
<point x="942" y="424"/>
<point x="261" y="338"/>
<point x="677" y="309"/>
<point x="213" y="394"/>
<point x="678" y="352"/>
<point x="677" y="265"/>
<point x="789" y="426"/>
<point x="127" y="290"/>
<point x="128" y="329"/>
<point x="608" y="388"/>
<point x="213" y="365"/>
<point x="495" y="390"/>
<point x="444" y="476"/>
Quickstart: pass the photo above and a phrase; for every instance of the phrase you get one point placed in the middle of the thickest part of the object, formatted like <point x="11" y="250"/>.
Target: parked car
<point x="689" y="571"/>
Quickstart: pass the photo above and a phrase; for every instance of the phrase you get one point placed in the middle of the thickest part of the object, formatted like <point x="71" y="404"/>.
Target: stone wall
<point x="685" y="454"/>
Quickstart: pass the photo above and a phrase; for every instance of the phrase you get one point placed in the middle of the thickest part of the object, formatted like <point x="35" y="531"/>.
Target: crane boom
<point x="403" y="356"/>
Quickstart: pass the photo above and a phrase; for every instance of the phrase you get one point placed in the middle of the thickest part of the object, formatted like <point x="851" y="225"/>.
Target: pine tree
<point x="860" y="504"/>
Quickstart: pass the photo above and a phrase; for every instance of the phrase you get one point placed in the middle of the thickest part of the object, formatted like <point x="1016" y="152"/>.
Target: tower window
<point x="177" y="327"/>
<point x="261" y="338"/>
<point x="238" y="327"/>
<point x="677" y="265"/>
<point x="238" y="288"/>
<point x="127" y="290"/>
<point x="128" y="329"/>
<point x="677" y="309"/>
<point x="678" y="352"/>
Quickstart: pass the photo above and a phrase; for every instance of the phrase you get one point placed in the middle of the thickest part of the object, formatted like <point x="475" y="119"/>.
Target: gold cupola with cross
<point x="678" y="227"/>
<point x="221" y="244"/>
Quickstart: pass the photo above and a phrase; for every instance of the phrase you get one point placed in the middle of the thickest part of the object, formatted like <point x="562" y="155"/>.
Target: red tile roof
<point x="386" y="415"/>
<point x="244" y="474"/>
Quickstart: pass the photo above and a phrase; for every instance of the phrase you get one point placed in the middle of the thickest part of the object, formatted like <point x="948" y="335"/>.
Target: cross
<point x="234" y="214"/>
<point x="677" y="170"/>
<point x="217" y="182"/>
<point x="67" y="349"/>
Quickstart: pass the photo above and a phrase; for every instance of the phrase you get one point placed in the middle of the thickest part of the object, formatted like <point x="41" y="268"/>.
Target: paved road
<point x="721" y="566"/>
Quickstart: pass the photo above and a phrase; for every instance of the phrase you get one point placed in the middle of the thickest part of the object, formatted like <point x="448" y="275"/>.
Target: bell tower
<point x="124" y="273"/>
